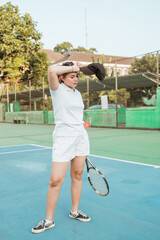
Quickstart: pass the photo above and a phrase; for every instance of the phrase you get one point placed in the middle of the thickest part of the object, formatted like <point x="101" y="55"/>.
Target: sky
<point x="120" y="27"/>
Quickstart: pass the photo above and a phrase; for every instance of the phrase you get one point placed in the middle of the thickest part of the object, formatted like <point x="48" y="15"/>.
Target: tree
<point x="68" y="47"/>
<point x="84" y="50"/>
<point x="147" y="63"/>
<point x="63" y="47"/>
<point x="122" y="96"/>
<point x="38" y="68"/>
<point x="92" y="50"/>
<point x="137" y="97"/>
<point x="19" y="42"/>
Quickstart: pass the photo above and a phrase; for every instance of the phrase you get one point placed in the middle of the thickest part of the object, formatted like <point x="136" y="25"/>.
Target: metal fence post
<point x="157" y="69"/>
<point x="116" y="89"/>
<point x="30" y="95"/>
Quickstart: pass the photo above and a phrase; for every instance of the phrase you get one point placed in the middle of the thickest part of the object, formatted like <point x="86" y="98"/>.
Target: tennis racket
<point x="96" y="179"/>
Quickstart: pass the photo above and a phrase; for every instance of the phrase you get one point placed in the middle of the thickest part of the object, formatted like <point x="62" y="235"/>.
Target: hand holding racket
<point x="97" y="179"/>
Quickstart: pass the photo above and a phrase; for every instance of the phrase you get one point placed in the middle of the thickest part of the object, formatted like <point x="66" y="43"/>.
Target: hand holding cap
<point x="94" y="69"/>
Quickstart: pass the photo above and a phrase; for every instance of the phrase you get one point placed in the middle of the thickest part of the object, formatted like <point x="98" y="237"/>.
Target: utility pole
<point x="86" y="37"/>
<point x="43" y="91"/>
<point x="29" y="95"/>
<point x="157" y="69"/>
<point x="87" y="92"/>
<point x="15" y="96"/>
<point x="86" y="34"/>
<point x="116" y="92"/>
<point x="8" y="97"/>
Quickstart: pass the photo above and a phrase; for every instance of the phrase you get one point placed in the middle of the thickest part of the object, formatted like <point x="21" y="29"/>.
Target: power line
<point x="121" y="59"/>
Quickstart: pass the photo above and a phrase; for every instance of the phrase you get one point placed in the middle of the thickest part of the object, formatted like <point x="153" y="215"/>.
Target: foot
<point x="42" y="226"/>
<point x="80" y="216"/>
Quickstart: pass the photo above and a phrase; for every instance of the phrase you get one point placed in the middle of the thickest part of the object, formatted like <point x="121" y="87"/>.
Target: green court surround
<point x="125" y="144"/>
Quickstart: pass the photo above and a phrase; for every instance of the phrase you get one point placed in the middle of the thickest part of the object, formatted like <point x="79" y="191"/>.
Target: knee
<point x="77" y="175"/>
<point x="55" y="182"/>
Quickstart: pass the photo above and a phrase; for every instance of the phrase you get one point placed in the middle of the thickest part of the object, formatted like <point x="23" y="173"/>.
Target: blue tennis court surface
<point x="130" y="212"/>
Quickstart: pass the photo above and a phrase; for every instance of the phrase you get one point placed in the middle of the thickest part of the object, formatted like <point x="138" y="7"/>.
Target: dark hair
<point x="68" y="64"/>
<point x="65" y="74"/>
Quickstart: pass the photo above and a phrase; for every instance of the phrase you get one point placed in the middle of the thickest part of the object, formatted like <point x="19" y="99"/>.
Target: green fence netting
<point x="121" y="115"/>
<point x="143" y="118"/>
<point x="50" y="117"/>
<point x="101" y="118"/>
<point x="25" y="117"/>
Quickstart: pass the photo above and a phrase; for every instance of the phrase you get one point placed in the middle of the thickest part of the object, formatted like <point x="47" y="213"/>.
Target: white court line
<point x="115" y="159"/>
<point x="44" y="147"/>
<point x="38" y="149"/>
<point x="120" y="160"/>
<point x="40" y="146"/>
<point x="15" y="145"/>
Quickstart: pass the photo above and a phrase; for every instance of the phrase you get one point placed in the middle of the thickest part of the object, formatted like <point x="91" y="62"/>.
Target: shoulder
<point x="58" y="90"/>
<point x="77" y="92"/>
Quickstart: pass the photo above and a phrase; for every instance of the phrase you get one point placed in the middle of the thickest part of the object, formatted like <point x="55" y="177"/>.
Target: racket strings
<point x="98" y="181"/>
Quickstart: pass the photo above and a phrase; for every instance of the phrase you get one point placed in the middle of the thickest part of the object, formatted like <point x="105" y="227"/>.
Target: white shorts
<point x="65" y="148"/>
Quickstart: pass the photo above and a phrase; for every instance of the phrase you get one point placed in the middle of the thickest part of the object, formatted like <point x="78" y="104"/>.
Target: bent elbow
<point x="51" y="72"/>
<point x="50" y="69"/>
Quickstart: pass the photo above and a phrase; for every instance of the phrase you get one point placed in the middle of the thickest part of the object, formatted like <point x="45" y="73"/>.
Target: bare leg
<point x="77" y="165"/>
<point x="58" y="173"/>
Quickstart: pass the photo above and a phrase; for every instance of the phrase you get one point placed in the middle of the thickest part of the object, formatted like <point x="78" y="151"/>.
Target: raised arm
<point x="55" y="71"/>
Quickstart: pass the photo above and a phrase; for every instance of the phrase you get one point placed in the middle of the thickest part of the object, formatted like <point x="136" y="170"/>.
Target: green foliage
<point x="63" y="47"/>
<point x="18" y="33"/>
<point x="122" y="96"/>
<point x="136" y="96"/>
<point x="95" y="97"/>
<point x="80" y="49"/>
<point x="99" y="60"/>
<point x="68" y="47"/>
<point x="19" y="46"/>
<point x="15" y="72"/>
<point x="147" y="63"/>
<point x="38" y="68"/>
<point x="84" y="50"/>
<point x="136" y="99"/>
<point x="92" y="50"/>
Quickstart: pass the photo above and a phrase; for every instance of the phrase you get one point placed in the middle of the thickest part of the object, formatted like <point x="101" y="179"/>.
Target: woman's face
<point x="71" y="80"/>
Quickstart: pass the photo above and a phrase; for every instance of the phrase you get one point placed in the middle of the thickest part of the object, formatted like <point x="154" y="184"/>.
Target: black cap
<point x="95" y="68"/>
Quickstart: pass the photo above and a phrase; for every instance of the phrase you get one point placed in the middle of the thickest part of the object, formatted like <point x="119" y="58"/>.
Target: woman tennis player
<point x="70" y="141"/>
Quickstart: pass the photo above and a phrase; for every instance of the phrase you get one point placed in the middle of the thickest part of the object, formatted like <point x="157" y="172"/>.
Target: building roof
<point x="53" y="56"/>
<point x="87" y="57"/>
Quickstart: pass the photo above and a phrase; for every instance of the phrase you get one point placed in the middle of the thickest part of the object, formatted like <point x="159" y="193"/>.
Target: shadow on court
<point x="130" y="212"/>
